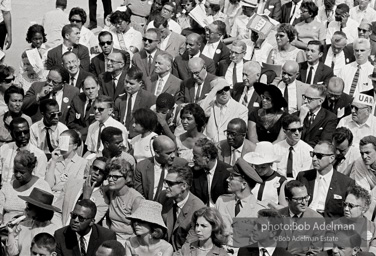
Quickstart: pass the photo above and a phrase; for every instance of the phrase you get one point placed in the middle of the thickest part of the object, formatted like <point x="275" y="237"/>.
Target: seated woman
<point x="285" y="51"/>
<point x="150" y="229"/>
<point x="22" y="184"/>
<point x="65" y="163"/>
<point x="39" y="212"/>
<point x="145" y="121"/>
<point x="265" y="123"/>
<point x="184" y="20"/>
<point x="121" y="198"/>
<point x="193" y="120"/>
<point x="210" y="231"/>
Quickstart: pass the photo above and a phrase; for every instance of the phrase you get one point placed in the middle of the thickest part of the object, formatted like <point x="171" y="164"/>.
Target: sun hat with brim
<point x="41" y="199"/>
<point x="249" y="3"/>
<point x="263" y="154"/>
<point x="242" y="168"/>
<point x="275" y="93"/>
<point x="149" y="211"/>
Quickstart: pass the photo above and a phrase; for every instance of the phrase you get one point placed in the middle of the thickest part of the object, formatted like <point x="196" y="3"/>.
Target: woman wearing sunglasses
<point x="65" y="163"/>
<point x="265" y="123"/>
<point x="121" y="198"/>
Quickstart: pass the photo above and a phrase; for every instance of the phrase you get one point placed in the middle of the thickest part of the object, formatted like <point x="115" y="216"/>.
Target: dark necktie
<point x="289" y="163"/>
<point x="70" y="49"/>
<point x="206" y="187"/>
<point x="234" y="78"/>
<point x="54" y="95"/>
<point x="48" y="139"/>
<point x="72" y="81"/>
<point x="160" y="183"/>
<point x="333" y="60"/>
<point x="238" y="205"/>
<point x="264" y="252"/>
<point x="82" y="246"/>
<point x="129" y="112"/>
<point x="311" y="118"/>
<point x="292" y="13"/>
<point x="286" y="96"/>
<point x="99" y="136"/>
<point x="355" y="81"/>
<point x="309" y="77"/>
<point x="197" y="98"/>
<point x="88" y="106"/>
<point x="149" y="63"/>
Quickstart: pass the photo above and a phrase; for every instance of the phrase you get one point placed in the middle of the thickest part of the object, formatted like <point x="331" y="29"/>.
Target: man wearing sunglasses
<point x="326" y="186"/>
<point x="89" y="188"/>
<point x="82" y="236"/>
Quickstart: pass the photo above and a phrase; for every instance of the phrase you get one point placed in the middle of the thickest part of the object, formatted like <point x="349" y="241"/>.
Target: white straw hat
<point x="263" y="154"/>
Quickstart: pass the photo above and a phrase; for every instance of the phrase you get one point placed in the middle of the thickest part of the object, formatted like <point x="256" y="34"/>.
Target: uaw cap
<point x="242" y="168"/>
<point x="364" y="99"/>
<point x="249" y="3"/>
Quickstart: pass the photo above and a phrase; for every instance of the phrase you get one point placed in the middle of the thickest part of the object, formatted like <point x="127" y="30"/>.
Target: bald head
<point x="195" y="38"/>
<point x="251" y="67"/>
<point x="335" y="86"/>
<point x="290" y="71"/>
<point x="162" y="142"/>
<point x="164" y="149"/>
<point x="291" y="66"/>
<point x="196" y="63"/>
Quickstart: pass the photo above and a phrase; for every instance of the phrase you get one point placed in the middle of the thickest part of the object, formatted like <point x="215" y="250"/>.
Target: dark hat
<point x="41" y="198"/>
<point x="275" y="93"/>
<point x="242" y="168"/>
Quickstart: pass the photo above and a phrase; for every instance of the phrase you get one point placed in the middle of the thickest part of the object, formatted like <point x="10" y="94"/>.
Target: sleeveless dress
<point x="281" y="57"/>
<point x="184" y="152"/>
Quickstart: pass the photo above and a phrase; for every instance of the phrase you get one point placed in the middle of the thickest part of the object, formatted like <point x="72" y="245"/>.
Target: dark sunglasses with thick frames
<point x="80" y="218"/>
<point x="293" y="130"/>
<point x="225" y="89"/>
<point x="318" y="155"/>
<point x="105" y="42"/>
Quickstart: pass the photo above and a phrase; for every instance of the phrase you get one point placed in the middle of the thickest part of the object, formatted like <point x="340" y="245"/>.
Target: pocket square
<point x="321" y="128"/>
<point x="337" y="196"/>
<point x="256" y="104"/>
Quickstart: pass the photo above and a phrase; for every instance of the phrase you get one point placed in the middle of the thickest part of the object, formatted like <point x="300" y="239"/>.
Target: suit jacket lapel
<point x="318" y="118"/>
<point x="71" y="241"/>
<point x="304" y="72"/>
<point x="93" y="241"/>
<point x="120" y="86"/>
<point x="332" y="187"/>
<point x="167" y="84"/>
<point x="192" y="90"/>
<point x="154" y="83"/>
<point x="318" y="73"/>
<point x="184" y="211"/>
<point x="170" y="40"/>
<point x="311" y="185"/>
<point x="144" y="58"/>
<point x="150" y="178"/>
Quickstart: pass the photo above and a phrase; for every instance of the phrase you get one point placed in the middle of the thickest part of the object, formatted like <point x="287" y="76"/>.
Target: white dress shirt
<point x="339" y="62"/>
<point x="297" y="12"/>
<point x="181" y="205"/>
<point x="164" y="80"/>
<point x="75" y="79"/>
<point x="319" y="195"/>
<point x="293" y="100"/>
<point x="239" y="73"/>
<point x="351" y="30"/>
<point x="359" y="131"/>
<point x="201" y="86"/>
<point x="210" y="176"/>
<point x="313" y="72"/>
<point x="210" y="49"/>
<point x="236" y="153"/>
<point x="352" y="154"/>
<point x="116" y="79"/>
<point x="157" y="175"/>
<point x="131" y="38"/>
<point x="364" y="83"/>
<point x="357" y="14"/>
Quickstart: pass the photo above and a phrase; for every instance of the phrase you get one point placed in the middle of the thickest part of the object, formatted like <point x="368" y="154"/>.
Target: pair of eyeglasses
<point x="301" y="199"/>
<point x="318" y="155"/>
<point x="309" y="99"/>
<point x="225" y="89"/>
<point x="54" y="114"/>
<point x="114" y="177"/>
<point x="172" y="183"/>
<point x="19" y="133"/>
<point x="105" y="42"/>
<point x="363" y="30"/>
<point x="350" y="205"/>
<point x="233" y="134"/>
<point x="80" y="218"/>
<point x="357" y="108"/>
<point x="198" y="72"/>
<point x="263" y="97"/>
<point x="294" y="130"/>
<point x="9" y="80"/>
<point x="148" y="40"/>
<point x="95" y="168"/>
<point x="76" y="21"/>
<point x="100" y="110"/>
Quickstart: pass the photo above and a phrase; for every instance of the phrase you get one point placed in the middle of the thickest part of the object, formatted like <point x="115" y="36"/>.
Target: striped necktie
<point x="355" y="81"/>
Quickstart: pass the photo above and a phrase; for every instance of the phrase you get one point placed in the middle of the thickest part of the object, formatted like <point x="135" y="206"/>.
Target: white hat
<point x="249" y="3"/>
<point x="364" y="99"/>
<point x="263" y="154"/>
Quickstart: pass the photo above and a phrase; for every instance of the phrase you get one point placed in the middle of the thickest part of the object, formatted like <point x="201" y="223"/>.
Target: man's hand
<point x="162" y="119"/>
<point x="46" y="90"/>
<point x="55" y="154"/>
<point x="303" y="112"/>
<point x="88" y="188"/>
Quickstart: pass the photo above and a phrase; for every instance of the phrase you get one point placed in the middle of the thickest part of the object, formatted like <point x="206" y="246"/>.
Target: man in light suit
<point x="76" y="74"/>
<point x="56" y="87"/>
<point x="193" y="44"/>
<point x="69" y="238"/>
<point x="71" y="37"/>
<point x="221" y="108"/>
<point x="78" y="189"/>
<point x="163" y="81"/>
<point x="171" y="42"/>
<point x="177" y="198"/>
<point x="138" y="97"/>
<point x="195" y="89"/>
<point x="236" y="145"/>
<point x="151" y="172"/>
<point x="208" y="186"/>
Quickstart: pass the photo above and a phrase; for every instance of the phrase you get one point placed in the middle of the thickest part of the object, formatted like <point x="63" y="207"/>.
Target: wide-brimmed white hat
<point x="149" y="211"/>
<point x="263" y="154"/>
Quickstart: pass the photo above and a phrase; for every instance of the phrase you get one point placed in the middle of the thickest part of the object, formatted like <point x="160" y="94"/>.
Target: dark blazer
<point x="254" y="102"/>
<point x="343" y="102"/>
<point x="180" y="66"/>
<point x="107" y="87"/>
<point x="144" y="99"/>
<point x="172" y="85"/>
<point x="224" y="150"/>
<point x="140" y="60"/>
<point x="285" y="14"/>
<point x="31" y="107"/>
<point x="348" y="51"/>
<point x="223" y="66"/>
<point x="322" y="75"/>
<point x="178" y="232"/>
<point x="81" y="78"/>
<point x="274" y="6"/>
<point x="76" y="119"/>
<point x="187" y="90"/>
<point x="54" y="56"/>
<point x="253" y="250"/>
<point x="67" y="243"/>
<point x="336" y="193"/>
<point x="144" y="175"/>
<point x="218" y="186"/>
<point x="221" y="53"/>
<point x="322" y="128"/>
<point x="97" y="65"/>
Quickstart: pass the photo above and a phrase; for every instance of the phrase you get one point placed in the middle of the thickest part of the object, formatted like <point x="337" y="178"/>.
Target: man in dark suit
<point x="151" y="172"/>
<point x="337" y="101"/>
<point x="206" y="166"/>
<point x="236" y="145"/>
<point x="145" y="59"/>
<point x="163" y="81"/>
<point x="194" y="89"/>
<point x="99" y="62"/>
<point x="56" y="87"/>
<point x="313" y="71"/>
<point x="244" y="92"/>
<point x="273" y="7"/>
<point x="81" y="111"/>
<point x="112" y="81"/>
<point x="193" y="44"/>
<point x="134" y="98"/>
<point x="71" y="37"/>
<point x="215" y="49"/>
<point x="289" y="11"/>
<point x="82" y="224"/>
<point x="179" y="205"/>
<point x="76" y="74"/>
<point x="318" y="123"/>
<point x="333" y="185"/>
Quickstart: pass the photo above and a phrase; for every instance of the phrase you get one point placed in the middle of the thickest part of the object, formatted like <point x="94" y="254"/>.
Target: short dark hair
<point x="74" y="135"/>
<point x="316" y="42"/>
<point x="17" y="121"/>
<point x="78" y="11"/>
<point x="165" y="100"/>
<point x="135" y="73"/>
<point x="32" y="30"/>
<point x="87" y="203"/>
<point x="155" y="31"/>
<point x="215" y="7"/>
<point x="208" y="148"/>
<point x="368" y="140"/>
<point x="67" y="29"/>
<point x="63" y="72"/>
<point x="160" y="20"/>
<point x="343" y="7"/>
<point x="124" y="167"/>
<point x="104" y="33"/>
<point x="241" y="123"/>
<point x="221" y="27"/>
<point x="61" y="3"/>
<point x="146" y="118"/>
<point x="118" y="15"/>
<point x="11" y="90"/>
<point x="44" y="240"/>
<point x="105" y="99"/>
<point x="117" y="249"/>
<point x="108" y="134"/>
<point x="184" y="174"/>
<point x="288" y="119"/>
<point x="172" y="5"/>
<point x="341" y="134"/>
<point x="311" y="8"/>
<point x="44" y="104"/>
<point x="290" y="185"/>
<point x="288" y="29"/>
<point x="198" y="114"/>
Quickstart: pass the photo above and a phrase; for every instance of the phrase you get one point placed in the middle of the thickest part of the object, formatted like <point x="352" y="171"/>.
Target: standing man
<point x="167" y="12"/>
<point x="76" y="74"/>
<point x="5" y="24"/>
<point x="53" y="22"/>
<point x="363" y="11"/>
<point x="93" y="12"/>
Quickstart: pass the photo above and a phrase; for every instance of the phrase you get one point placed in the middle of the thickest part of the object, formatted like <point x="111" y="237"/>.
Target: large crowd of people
<point x="184" y="127"/>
